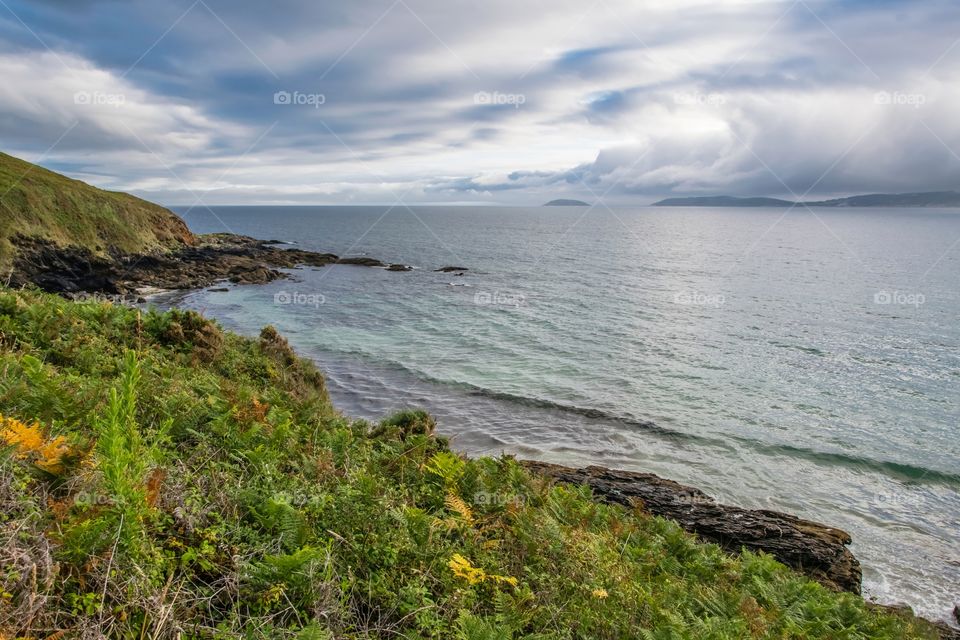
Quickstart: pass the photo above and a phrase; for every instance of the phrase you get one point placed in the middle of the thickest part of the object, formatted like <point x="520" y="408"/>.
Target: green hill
<point x="163" y="478"/>
<point x="36" y="202"/>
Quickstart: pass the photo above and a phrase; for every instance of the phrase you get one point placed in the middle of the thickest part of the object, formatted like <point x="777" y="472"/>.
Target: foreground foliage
<point x="162" y="478"/>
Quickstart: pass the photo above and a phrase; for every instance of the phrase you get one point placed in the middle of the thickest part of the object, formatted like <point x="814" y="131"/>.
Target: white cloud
<point x="644" y="99"/>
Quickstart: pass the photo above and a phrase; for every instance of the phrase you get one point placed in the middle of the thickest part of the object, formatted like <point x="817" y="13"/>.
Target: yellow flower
<point x="600" y="593"/>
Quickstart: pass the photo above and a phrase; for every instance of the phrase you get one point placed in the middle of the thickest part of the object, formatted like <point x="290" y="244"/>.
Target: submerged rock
<point x="450" y="269"/>
<point x="399" y="267"/>
<point x="813" y="549"/>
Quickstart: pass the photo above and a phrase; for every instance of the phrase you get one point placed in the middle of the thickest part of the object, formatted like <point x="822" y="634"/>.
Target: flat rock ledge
<point x="813" y="549"/>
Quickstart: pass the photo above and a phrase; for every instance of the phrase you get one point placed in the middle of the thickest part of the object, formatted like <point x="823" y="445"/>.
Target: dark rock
<point x="814" y="549"/>
<point x="449" y="269"/>
<point x="219" y="289"/>
<point x="399" y="267"/>
<point x="210" y="259"/>
<point x="256" y="275"/>
<point x="947" y="632"/>
<point x="956" y="613"/>
<point x="363" y="261"/>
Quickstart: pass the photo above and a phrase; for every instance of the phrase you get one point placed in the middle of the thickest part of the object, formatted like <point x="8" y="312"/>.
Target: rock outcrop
<point x="212" y="258"/>
<point x="814" y="549"/>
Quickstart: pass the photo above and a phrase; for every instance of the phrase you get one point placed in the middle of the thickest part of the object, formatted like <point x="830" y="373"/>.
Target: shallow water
<point x="803" y="362"/>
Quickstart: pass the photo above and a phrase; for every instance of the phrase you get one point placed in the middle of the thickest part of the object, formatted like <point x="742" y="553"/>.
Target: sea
<point x="802" y="360"/>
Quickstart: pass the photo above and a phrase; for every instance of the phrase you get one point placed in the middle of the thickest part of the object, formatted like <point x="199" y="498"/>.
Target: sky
<point x="188" y="102"/>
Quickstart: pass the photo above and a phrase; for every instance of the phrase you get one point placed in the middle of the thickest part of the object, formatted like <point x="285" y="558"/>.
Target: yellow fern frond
<point x="30" y="442"/>
<point x="463" y="568"/>
<point x="27" y="438"/>
<point x="456" y="504"/>
<point x="503" y="579"/>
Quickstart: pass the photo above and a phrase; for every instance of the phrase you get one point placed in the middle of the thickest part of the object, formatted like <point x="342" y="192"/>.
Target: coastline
<point x="213" y="258"/>
<point x="814" y="549"/>
<point x="200" y="341"/>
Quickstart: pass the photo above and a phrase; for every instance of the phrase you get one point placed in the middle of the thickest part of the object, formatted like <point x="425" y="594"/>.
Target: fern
<point x="447" y="466"/>
<point x="277" y="515"/>
<point x="455" y="503"/>
<point x="473" y="627"/>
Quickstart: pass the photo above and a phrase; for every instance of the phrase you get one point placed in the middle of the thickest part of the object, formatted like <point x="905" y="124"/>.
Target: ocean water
<point x="798" y="361"/>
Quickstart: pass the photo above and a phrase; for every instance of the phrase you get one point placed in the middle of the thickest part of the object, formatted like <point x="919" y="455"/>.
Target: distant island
<point x="924" y="199"/>
<point x="567" y="203"/>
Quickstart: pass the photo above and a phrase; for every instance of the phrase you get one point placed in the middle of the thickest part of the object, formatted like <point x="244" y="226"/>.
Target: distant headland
<point x="924" y="199"/>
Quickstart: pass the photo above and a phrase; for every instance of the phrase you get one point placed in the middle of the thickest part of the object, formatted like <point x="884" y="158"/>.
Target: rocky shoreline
<point x="813" y="549"/>
<point x="212" y="258"/>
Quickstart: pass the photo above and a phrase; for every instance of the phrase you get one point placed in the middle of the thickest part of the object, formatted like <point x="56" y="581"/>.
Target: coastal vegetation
<point x="163" y="478"/>
<point x="65" y="236"/>
<point x="37" y="202"/>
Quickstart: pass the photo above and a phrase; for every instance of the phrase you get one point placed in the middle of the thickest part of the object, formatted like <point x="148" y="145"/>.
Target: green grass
<point x="205" y="488"/>
<point x="41" y="203"/>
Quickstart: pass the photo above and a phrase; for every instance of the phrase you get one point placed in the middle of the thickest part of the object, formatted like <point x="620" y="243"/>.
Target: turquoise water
<point x="803" y="362"/>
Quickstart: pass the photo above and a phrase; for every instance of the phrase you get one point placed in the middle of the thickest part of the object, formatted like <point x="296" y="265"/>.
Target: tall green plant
<point x="122" y="456"/>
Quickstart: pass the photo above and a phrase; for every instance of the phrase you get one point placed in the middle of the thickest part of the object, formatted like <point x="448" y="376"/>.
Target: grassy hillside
<point x="38" y="202"/>
<point x="163" y="478"/>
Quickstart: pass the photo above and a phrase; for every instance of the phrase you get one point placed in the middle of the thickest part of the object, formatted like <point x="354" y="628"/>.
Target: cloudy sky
<point x="379" y="101"/>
